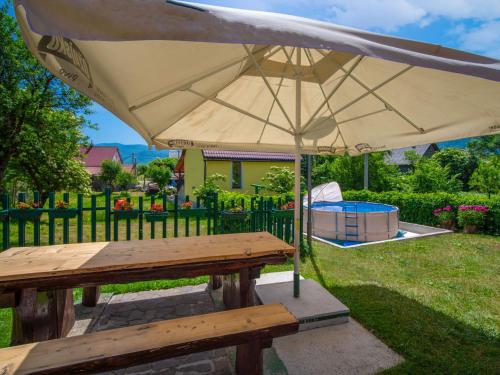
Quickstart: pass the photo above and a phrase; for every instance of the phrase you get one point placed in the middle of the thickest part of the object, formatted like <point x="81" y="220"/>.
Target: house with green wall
<point x="241" y="168"/>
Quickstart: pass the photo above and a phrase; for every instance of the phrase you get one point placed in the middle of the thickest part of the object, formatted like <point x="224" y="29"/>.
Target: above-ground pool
<point x="354" y="221"/>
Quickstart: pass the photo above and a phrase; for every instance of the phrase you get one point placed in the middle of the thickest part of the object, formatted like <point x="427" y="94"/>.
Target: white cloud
<point x="483" y="39"/>
<point x="391" y="15"/>
<point x="386" y="15"/>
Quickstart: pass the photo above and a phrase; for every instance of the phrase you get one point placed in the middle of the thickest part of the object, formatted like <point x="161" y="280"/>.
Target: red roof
<point x="93" y="156"/>
<point x="247" y="155"/>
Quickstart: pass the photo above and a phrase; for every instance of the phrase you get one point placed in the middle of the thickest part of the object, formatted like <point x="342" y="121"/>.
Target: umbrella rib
<point x="274" y="100"/>
<point x="259" y="70"/>
<point x="199" y="104"/>
<point x="312" y="62"/>
<point x="191" y="82"/>
<point x="237" y="109"/>
<point x="372" y="92"/>
<point x="334" y="90"/>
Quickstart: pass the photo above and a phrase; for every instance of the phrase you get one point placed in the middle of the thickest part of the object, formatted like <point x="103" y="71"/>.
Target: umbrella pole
<point x="297" y="235"/>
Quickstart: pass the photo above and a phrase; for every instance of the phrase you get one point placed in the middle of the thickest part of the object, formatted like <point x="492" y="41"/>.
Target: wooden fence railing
<point x="93" y="218"/>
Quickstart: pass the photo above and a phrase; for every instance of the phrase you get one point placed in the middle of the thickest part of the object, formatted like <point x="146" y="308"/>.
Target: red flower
<point x="187" y="205"/>
<point x="156" y="207"/>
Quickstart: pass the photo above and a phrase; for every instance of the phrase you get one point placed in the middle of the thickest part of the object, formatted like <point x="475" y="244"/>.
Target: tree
<point x="348" y="172"/>
<point x="280" y="180"/>
<point x="429" y="176"/>
<point x="169" y="163"/>
<point x="48" y="158"/>
<point x="125" y="179"/>
<point x="486" y="178"/>
<point x="485" y="146"/>
<point x="159" y="174"/>
<point x="210" y="187"/>
<point x="30" y="97"/>
<point x="110" y="170"/>
<point x="460" y="162"/>
<point x="142" y="170"/>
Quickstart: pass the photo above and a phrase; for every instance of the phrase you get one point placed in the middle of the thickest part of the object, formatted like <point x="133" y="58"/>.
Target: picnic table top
<point x="85" y="258"/>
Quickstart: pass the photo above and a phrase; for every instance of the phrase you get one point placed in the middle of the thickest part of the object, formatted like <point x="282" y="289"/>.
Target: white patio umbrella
<point x="188" y="75"/>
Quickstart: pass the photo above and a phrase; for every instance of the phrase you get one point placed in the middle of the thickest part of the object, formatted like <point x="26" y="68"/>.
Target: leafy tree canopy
<point x="460" y="162"/>
<point x="110" y="170"/>
<point x="41" y="119"/>
<point x="486" y="178"/>
<point x="430" y="176"/>
<point x="125" y="179"/>
<point x="485" y="146"/>
<point x="210" y="187"/>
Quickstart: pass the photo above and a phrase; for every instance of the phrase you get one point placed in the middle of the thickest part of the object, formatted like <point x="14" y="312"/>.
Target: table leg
<point x="91" y="296"/>
<point x="42" y="316"/>
<point x="239" y="289"/>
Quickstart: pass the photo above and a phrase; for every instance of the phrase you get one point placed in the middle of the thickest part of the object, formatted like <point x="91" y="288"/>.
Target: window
<point x="236" y="175"/>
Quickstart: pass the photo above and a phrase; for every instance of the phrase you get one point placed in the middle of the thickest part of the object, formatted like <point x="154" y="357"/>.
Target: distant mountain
<point x="142" y="153"/>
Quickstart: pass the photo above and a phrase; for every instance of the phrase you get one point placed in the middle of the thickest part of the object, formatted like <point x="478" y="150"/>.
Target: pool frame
<point x="354" y="225"/>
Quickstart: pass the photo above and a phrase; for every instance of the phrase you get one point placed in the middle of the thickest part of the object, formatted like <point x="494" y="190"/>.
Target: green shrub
<point x="418" y="207"/>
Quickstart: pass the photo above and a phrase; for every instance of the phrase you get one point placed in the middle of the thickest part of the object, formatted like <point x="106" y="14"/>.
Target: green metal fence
<point x="93" y="218"/>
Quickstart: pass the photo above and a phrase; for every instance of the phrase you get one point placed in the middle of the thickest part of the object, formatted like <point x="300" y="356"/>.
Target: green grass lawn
<point x="435" y="301"/>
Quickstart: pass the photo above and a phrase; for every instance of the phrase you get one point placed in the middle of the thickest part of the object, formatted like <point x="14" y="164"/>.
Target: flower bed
<point x="156" y="213"/>
<point x="125" y="210"/>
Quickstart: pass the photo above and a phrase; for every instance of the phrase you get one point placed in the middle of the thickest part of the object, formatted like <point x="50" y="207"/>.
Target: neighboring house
<point x="93" y="156"/>
<point x="242" y="169"/>
<point x="398" y="158"/>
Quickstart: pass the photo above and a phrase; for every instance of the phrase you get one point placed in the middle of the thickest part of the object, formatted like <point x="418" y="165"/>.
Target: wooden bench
<point x="251" y="329"/>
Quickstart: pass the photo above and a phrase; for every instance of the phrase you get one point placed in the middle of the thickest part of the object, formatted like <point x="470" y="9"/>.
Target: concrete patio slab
<point x="315" y="308"/>
<point x="275" y="277"/>
<point x="347" y="349"/>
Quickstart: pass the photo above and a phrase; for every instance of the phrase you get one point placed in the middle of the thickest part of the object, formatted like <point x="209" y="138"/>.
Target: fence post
<point x="36" y="222"/>
<point x="164" y="221"/>
<point x="93" y="218"/>
<point x="128" y="224"/>
<point x="66" y="221"/>
<point x="79" y="223"/>
<point x="52" y="229"/>
<point x="186" y="221"/>
<point x="141" y="210"/>
<point x="209" y="202"/>
<point x="216" y="207"/>
<point x="197" y="219"/>
<point x="152" y="224"/>
<point x="252" y="214"/>
<point x="107" y="218"/>
<point x="6" y="222"/>
<point x="176" y="215"/>
<point x="21" y="223"/>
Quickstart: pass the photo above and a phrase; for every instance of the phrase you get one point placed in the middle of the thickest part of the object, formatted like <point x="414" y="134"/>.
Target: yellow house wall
<point x="193" y="170"/>
<point x="252" y="172"/>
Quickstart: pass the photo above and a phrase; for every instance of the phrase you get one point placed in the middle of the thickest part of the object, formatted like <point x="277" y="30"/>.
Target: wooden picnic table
<point x="37" y="281"/>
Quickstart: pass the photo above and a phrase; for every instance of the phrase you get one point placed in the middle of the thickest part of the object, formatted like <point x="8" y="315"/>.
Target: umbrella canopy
<point x="188" y="75"/>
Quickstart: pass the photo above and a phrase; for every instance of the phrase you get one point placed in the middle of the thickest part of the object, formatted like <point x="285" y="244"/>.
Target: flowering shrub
<point x="471" y="217"/>
<point x="62" y="205"/>
<point x="123" y="205"/>
<point x="288" y="206"/>
<point x="446" y="216"/>
<point x="25" y="206"/>
<point x="187" y="205"/>
<point x="155" y="207"/>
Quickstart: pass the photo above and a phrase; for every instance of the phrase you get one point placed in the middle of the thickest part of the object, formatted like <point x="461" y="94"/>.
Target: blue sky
<point x="471" y="25"/>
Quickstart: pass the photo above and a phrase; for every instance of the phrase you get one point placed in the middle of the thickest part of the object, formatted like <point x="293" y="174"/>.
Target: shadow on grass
<point x="430" y="341"/>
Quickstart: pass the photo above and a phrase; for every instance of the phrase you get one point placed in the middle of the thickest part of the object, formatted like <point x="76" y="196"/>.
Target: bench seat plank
<point x="124" y="347"/>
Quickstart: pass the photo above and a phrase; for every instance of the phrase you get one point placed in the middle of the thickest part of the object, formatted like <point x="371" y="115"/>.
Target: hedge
<point x="417" y="207"/>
